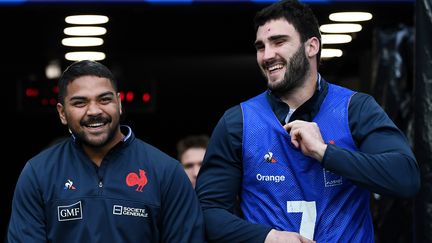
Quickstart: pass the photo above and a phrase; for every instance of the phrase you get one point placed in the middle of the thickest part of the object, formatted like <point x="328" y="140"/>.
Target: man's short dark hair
<point x="297" y="14"/>
<point x="83" y="68"/>
<point x="191" y="141"/>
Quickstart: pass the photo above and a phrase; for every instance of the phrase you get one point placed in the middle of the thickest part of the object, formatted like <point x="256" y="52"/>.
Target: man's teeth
<point x="274" y="67"/>
<point x="95" y="125"/>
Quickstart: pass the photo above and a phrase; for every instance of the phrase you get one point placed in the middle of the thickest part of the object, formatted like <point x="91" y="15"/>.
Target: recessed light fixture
<point x="340" y="28"/>
<point x="330" y="52"/>
<point x="335" y="39"/>
<point x="53" y="70"/>
<point x="82" y="41"/>
<point x="85" y="31"/>
<point x="85" y="55"/>
<point x="86" y="19"/>
<point x="350" y="16"/>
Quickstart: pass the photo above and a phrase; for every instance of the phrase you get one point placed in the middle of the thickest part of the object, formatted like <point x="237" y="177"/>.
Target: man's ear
<point x="61" y="112"/>
<point x="312" y="47"/>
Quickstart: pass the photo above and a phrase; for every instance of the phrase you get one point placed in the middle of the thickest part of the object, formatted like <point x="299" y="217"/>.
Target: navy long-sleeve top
<point x="384" y="164"/>
<point x="138" y="194"/>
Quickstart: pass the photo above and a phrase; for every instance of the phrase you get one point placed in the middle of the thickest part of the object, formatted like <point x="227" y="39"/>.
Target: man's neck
<point x="97" y="154"/>
<point x="300" y="95"/>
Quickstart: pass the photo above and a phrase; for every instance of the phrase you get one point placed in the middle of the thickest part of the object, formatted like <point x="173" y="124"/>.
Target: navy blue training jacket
<point x="138" y="194"/>
<point x="384" y="163"/>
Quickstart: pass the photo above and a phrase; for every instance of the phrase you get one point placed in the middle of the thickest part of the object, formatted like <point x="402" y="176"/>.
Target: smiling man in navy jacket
<point x="304" y="155"/>
<point x="103" y="184"/>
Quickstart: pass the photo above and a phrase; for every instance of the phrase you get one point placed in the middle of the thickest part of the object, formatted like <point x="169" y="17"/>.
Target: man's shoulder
<point x="153" y="153"/>
<point x="48" y="163"/>
<point x="51" y="155"/>
<point x="233" y="116"/>
<point x="236" y="110"/>
<point x="233" y="111"/>
<point x="363" y="100"/>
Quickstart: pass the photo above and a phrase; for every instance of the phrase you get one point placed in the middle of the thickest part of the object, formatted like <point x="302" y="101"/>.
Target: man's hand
<point x="275" y="236"/>
<point x="307" y="137"/>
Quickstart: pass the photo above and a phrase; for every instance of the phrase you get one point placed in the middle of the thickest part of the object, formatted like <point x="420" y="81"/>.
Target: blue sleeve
<point x="182" y="218"/>
<point x="385" y="163"/>
<point x="219" y="183"/>
<point x="27" y="221"/>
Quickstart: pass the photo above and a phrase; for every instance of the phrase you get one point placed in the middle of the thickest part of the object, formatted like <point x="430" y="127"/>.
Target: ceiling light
<point x="85" y="31"/>
<point x="86" y="19"/>
<point x="329" y="52"/>
<point x="85" y="55"/>
<point x="82" y="41"/>
<point x="53" y="70"/>
<point x="335" y="39"/>
<point x="340" y="28"/>
<point x="350" y="16"/>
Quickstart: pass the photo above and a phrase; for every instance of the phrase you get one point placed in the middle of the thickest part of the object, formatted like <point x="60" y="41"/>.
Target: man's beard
<point x="295" y="74"/>
<point x="95" y="143"/>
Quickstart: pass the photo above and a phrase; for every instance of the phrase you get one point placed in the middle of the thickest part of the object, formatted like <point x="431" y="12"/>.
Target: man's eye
<point x="280" y="42"/>
<point x="105" y="100"/>
<point x="259" y="47"/>
<point x="78" y="104"/>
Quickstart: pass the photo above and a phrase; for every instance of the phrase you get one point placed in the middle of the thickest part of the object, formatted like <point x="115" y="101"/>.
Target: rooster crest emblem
<point x="133" y="179"/>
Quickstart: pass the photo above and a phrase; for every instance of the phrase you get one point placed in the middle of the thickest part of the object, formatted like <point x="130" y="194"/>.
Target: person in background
<point x="304" y="155"/>
<point x="102" y="184"/>
<point x="190" y="152"/>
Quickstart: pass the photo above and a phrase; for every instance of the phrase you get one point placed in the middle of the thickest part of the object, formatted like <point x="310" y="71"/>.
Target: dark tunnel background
<point x="196" y="60"/>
